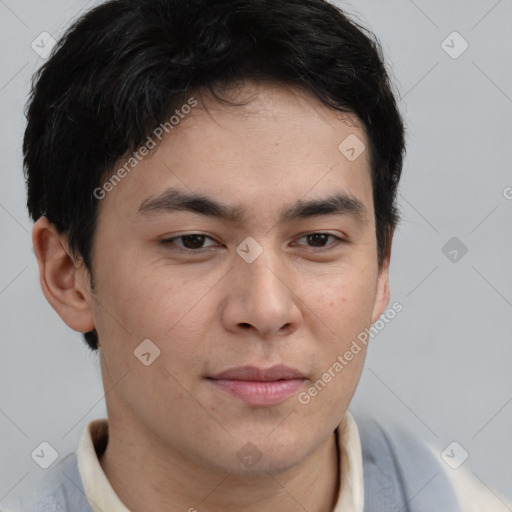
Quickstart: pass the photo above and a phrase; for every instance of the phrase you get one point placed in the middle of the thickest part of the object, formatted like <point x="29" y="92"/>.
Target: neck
<point x="148" y="473"/>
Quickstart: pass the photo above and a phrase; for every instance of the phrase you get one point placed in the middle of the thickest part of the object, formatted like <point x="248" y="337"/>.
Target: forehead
<point x="281" y="145"/>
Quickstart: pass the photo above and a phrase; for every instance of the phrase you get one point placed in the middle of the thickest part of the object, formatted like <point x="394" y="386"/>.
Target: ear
<point x="382" y="293"/>
<point x="63" y="281"/>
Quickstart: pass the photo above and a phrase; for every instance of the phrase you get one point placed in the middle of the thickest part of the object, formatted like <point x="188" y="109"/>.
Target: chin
<point x="261" y="457"/>
<point x="263" y="467"/>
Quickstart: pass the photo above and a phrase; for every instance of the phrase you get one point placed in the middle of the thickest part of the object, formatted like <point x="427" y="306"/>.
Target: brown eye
<point x="190" y="242"/>
<point x="319" y="240"/>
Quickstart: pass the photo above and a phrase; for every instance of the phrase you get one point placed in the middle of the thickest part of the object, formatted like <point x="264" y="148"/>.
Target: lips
<point x="259" y="386"/>
<point x="251" y="373"/>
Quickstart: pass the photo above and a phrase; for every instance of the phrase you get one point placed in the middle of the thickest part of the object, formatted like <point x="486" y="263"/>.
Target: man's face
<point x="213" y="303"/>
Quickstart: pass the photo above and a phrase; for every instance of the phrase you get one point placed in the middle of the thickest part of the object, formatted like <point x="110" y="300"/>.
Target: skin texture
<point x="174" y="436"/>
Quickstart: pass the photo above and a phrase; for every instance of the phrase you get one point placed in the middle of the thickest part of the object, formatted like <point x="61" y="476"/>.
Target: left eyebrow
<point x="337" y="204"/>
<point x="174" y="199"/>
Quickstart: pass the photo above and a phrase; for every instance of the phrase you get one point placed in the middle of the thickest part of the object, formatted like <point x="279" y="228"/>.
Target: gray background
<point x="441" y="368"/>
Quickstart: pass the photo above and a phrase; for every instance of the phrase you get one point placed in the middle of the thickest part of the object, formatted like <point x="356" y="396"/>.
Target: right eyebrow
<point x="173" y="199"/>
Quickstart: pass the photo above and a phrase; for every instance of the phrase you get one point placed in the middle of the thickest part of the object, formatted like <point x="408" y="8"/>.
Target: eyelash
<point x="170" y="241"/>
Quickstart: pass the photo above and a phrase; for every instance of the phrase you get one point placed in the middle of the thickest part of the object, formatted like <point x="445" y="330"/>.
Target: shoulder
<point x="424" y="476"/>
<point x="60" y="490"/>
<point x="474" y="494"/>
<point x="400" y="467"/>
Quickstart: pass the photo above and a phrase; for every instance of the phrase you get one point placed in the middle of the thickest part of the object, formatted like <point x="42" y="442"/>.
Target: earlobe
<point x="382" y="295"/>
<point x="59" y="276"/>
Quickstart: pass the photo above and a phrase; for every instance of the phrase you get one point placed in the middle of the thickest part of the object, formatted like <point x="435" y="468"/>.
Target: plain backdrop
<point x="442" y="367"/>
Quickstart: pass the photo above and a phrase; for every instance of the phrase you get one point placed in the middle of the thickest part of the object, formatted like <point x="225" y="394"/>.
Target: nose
<point x="262" y="296"/>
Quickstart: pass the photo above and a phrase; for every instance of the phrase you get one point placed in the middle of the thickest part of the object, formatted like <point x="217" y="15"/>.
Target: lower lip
<point x="258" y="392"/>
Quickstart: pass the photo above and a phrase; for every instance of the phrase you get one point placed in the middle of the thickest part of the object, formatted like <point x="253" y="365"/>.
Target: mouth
<point x="259" y="386"/>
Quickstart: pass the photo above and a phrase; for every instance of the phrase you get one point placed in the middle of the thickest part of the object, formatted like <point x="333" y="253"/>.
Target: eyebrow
<point x="173" y="199"/>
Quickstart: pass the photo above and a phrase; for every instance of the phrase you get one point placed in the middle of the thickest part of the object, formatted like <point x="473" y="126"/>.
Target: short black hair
<point x="123" y="67"/>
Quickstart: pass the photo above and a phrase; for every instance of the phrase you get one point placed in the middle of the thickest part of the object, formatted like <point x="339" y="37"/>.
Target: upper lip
<point x="248" y="373"/>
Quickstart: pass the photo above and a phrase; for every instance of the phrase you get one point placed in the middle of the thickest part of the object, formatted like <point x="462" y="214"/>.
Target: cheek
<point x="343" y="302"/>
<point x="139" y="301"/>
<point x="169" y="312"/>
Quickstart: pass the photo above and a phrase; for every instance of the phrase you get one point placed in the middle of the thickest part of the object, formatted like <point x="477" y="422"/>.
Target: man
<point x="213" y="187"/>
